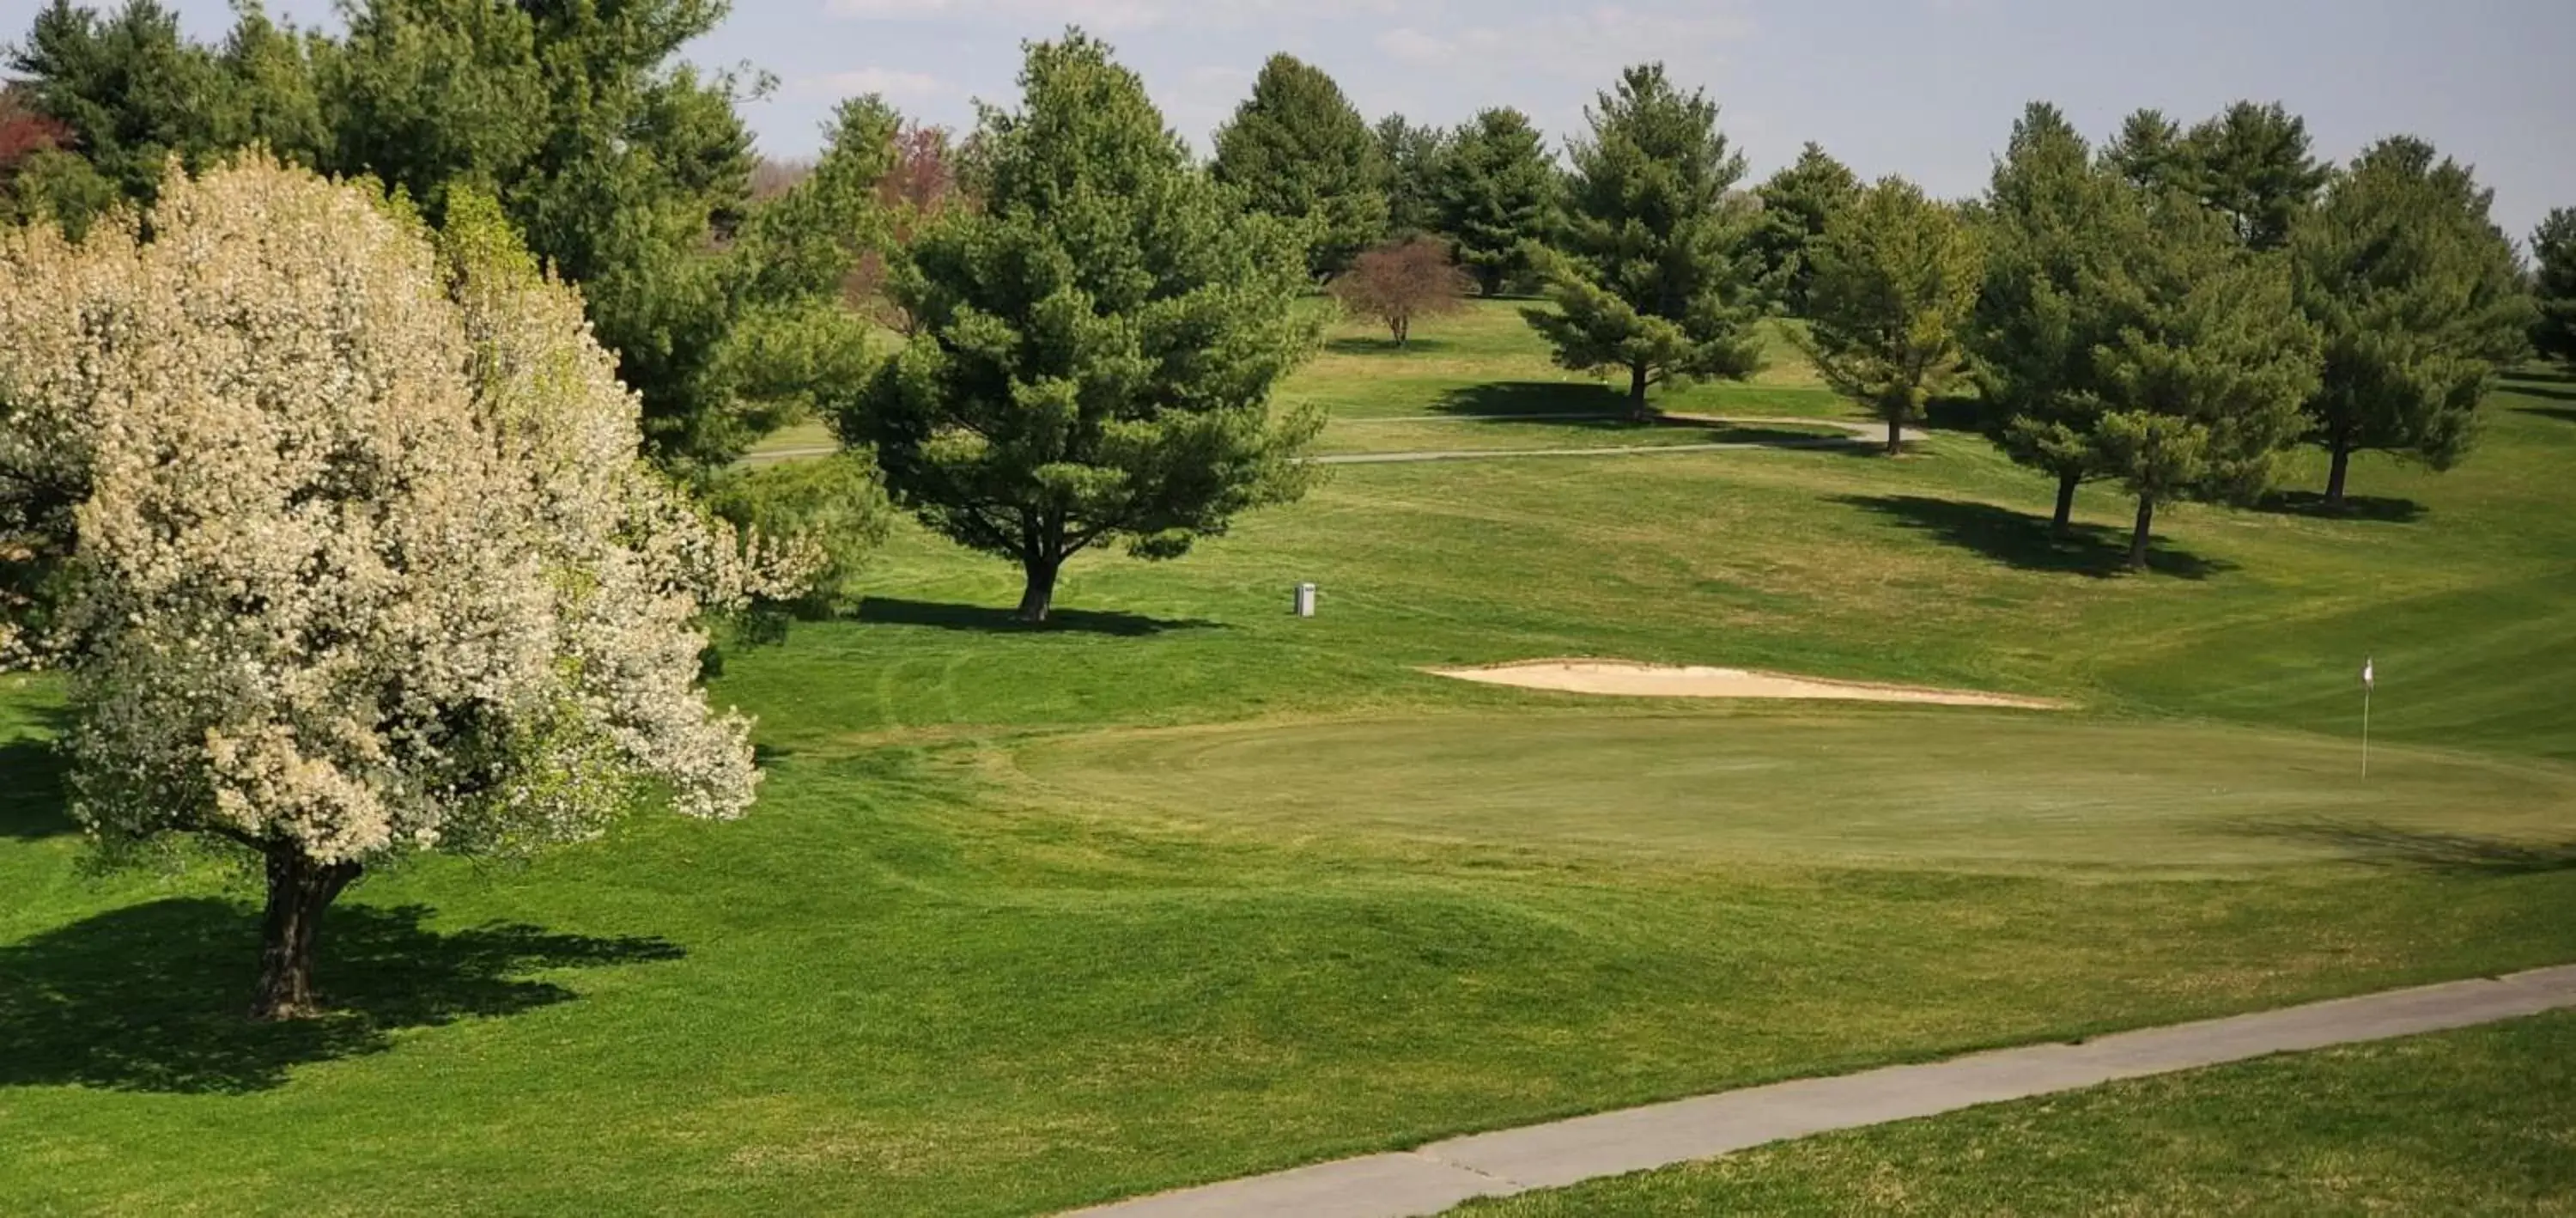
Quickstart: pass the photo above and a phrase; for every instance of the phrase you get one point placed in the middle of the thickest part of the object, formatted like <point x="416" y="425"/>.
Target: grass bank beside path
<point x="1184" y="888"/>
<point x="2481" y="1121"/>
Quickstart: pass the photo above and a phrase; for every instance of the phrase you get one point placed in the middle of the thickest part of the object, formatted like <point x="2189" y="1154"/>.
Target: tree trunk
<point x="1403" y="329"/>
<point x="299" y="890"/>
<point x="2138" y="538"/>
<point x="2335" y="479"/>
<point x="1637" y="408"/>
<point x="1895" y="436"/>
<point x="1039" y="599"/>
<point x="2065" y="518"/>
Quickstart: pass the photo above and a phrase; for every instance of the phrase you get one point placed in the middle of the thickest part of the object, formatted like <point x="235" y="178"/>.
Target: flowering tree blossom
<point x="352" y="551"/>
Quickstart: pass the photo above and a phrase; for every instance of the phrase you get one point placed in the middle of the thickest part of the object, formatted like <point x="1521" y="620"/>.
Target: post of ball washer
<point x="1305" y="603"/>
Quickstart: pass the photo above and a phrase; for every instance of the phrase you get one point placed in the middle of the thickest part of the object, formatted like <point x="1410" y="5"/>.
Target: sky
<point x="1923" y="88"/>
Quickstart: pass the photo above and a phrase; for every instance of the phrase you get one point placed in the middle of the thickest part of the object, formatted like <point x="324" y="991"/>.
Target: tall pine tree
<point x="1413" y="157"/>
<point x="2553" y="253"/>
<point x="627" y="170"/>
<point x="2418" y="297"/>
<point x="1495" y="196"/>
<point x="2252" y="163"/>
<point x="1097" y="343"/>
<point x="2151" y="152"/>
<point x="2208" y="363"/>
<point x="1894" y="278"/>
<point x="1655" y="279"/>
<point x="1296" y="149"/>
<point x="2049" y="219"/>
<point x="1796" y="204"/>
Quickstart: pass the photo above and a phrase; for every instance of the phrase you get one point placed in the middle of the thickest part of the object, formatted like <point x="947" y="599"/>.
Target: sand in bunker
<point x="1654" y="681"/>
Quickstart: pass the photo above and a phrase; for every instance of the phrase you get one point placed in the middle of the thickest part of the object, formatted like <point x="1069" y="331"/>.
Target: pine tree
<point x="2252" y="162"/>
<point x="2418" y="298"/>
<point x="1495" y="197"/>
<point x="1296" y="149"/>
<point x="1796" y="203"/>
<point x="2049" y="233"/>
<point x="1413" y="158"/>
<point x="1894" y="279"/>
<point x="2209" y="362"/>
<point x="1655" y="279"/>
<point x="2553" y="253"/>
<point x="1098" y="339"/>
<point x="2151" y="153"/>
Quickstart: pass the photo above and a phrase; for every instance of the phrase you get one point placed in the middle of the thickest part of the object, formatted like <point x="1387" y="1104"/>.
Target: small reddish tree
<point x="24" y="132"/>
<point x="920" y="184"/>
<point x="1399" y="282"/>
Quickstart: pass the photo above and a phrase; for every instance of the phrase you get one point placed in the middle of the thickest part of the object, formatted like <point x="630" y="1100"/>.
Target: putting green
<point x="1949" y="789"/>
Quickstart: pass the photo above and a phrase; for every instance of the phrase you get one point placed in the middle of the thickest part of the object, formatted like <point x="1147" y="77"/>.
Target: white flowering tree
<point x="352" y="551"/>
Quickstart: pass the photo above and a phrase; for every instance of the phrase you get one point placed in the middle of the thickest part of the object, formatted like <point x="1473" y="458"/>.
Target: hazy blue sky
<point x="1925" y="88"/>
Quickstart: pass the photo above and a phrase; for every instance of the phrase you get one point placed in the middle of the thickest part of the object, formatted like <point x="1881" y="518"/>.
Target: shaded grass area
<point x="149" y="997"/>
<point x="2475" y="1121"/>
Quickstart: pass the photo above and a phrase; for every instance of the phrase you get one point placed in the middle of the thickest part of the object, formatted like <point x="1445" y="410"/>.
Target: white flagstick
<point x="2369" y="682"/>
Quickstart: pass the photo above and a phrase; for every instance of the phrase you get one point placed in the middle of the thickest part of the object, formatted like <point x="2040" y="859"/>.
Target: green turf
<point x="2475" y="1122"/>
<point x="1186" y="887"/>
<point x="2012" y="790"/>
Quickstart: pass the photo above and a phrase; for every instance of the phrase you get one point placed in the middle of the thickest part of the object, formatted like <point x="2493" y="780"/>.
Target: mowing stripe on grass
<point x="1446" y="1173"/>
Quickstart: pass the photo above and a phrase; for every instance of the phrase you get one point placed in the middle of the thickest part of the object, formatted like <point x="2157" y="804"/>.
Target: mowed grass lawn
<point x="1186" y="887"/>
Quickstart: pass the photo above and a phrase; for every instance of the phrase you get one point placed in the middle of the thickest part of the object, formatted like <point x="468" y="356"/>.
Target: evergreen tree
<point x="2152" y="153"/>
<point x="2553" y="253"/>
<point x="1296" y="149"/>
<point x="1894" y="279"/>
<point x="1796" y="203"/>
<point x="627" y="170"/>
<point x="1495" y="196"/>
<point x="2050" y="233"/>
<point x="2203" y="377"/>
<point x="1413" y="157"/>
<point x="2418" y="297"/>
<point x="133" y="93"/>
<point x="2252" y="163"/>
<point x="1098" y="340"/>
<point x="1655" y="279"/>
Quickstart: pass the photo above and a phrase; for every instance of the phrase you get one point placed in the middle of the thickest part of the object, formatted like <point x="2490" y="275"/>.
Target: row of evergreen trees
<point x="1089" y="362"/>
<point x="2169" y="312"/>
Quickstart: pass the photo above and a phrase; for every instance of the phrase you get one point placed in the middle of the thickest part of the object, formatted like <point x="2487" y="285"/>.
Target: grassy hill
<point x="1187" y="887"/>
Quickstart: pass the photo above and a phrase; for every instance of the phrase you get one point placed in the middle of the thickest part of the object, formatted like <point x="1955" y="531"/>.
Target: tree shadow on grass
<point x="2381" y="508"/>
<point x="32" y="795"/>
<point x="1534" y="398"/>
<point x="2424" y="850"/>
<point x="152" y="997"/>
<point x="1385" y="345"/>
<point x="1578" y="406"/>
<point x="2564" y="414"/>
<point x="985" y="619"/>
<point x="2025" y="541"/>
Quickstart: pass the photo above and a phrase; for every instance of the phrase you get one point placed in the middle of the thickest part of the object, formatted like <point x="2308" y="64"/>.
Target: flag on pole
<point x="2369" y="676"/>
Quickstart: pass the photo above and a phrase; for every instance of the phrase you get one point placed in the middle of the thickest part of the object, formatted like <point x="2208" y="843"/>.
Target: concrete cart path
<point x="1435" y="1177"/>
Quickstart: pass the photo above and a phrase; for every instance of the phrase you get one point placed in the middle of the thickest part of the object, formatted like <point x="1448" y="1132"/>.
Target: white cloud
<point x="1409" y="45"/>
<point x="887" y="82"/>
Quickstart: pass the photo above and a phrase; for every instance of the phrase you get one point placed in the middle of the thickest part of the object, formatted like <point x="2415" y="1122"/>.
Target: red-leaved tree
<point x="921" y="184"/>
<point x="1401" y="281"/>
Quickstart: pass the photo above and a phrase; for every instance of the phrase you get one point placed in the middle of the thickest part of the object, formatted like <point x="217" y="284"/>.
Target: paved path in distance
<point x="1433" y="1178"/>
<point x="1861" y="433"/>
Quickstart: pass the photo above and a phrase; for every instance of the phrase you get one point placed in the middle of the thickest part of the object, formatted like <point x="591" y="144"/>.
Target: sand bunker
<point x="1652" y="681"/>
